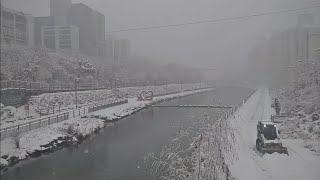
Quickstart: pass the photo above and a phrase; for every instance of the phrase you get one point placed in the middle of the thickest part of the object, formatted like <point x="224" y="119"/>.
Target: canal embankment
<point x="48" y="139"/>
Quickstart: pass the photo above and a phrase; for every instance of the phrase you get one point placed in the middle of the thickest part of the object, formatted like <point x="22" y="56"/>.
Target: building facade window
<point x="50" y="42"/>
<point x="8" y="15"/>
<point x="61" y="37"/>
<point x="15" y="27"/>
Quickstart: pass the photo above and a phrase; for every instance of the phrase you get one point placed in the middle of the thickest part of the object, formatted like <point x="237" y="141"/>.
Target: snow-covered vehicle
<point x="268" y="140"/>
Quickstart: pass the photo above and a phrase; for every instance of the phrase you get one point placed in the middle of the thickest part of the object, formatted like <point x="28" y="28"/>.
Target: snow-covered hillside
<point x="44" y="65"/>
<point x="39" y="64"/>
<point x="301" y="101"/>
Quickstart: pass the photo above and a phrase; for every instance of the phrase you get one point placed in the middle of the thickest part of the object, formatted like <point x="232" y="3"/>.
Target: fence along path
<point x="56" y="118"/>
<point x="43" y="87"/>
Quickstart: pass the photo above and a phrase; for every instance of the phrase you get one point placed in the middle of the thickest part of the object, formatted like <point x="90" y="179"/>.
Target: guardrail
<point x="45" y="121"/>
<point x="234" y="109"/>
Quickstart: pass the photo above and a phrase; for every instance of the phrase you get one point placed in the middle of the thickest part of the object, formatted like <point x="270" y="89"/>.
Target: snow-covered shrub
<point x="197" y="153"/>
<point x="16" y="136"/>
<point x="70" y="129"/>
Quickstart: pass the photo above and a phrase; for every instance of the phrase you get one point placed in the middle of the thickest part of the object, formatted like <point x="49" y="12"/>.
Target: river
<point x="115" y="153"/>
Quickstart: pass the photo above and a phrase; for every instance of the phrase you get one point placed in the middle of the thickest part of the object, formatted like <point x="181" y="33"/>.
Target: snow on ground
<point x="48" y="103"/>
<point x="134" y="105"/>
<point x="301" y="108"/>
<point x="251" y="165"/>
<point x="33" y="140"/>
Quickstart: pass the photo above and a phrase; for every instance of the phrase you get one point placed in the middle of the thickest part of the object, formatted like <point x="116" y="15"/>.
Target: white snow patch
<point x="3" y="162"/>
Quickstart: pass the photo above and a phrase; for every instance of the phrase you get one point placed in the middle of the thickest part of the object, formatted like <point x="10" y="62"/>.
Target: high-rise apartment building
<point x="38" y="23"/>
<point x="91" y="29"/>
<point x="59" y="11"/>
<point x="283" y="50"/>
<point x="60" y="37"/>
<point x="16" y="27"/>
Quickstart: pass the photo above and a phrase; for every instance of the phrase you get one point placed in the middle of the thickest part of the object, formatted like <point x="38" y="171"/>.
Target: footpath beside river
<point x="300" y="164"/>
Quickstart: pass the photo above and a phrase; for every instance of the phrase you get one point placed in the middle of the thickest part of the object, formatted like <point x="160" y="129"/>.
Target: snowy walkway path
<point x="251" y="165"/>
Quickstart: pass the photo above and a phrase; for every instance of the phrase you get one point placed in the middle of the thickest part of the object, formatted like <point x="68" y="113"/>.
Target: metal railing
<point x="48" y="120"/>
<point x="234" y="109"/>
<point x="62" y="116"/>
<point x="44" y="87"/>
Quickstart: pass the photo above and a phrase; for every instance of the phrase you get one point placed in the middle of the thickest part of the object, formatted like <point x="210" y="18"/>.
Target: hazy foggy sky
<point x="223" y="44"/>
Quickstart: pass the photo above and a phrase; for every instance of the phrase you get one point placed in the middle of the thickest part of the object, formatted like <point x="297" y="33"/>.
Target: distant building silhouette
<point x="38" y="23"/>
<point x="59" y="11"/>
<point x="273" y="58"/>
<point x="71" y="27"/>
<point x="91" y="26"/>
<point x="16" y="27"/>
<point x="60" y="37"/>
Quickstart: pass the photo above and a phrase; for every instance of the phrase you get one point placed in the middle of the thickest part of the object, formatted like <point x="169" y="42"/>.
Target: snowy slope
<point x="251" y="165"/>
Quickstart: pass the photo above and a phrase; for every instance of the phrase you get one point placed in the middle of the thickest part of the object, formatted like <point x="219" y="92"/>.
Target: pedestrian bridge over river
<point x="194" y="106"/>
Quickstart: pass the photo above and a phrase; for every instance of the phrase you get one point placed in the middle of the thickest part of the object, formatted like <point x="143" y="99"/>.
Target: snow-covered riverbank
<point x="251" y="165"/>
<point x="52" y="103"/>
<point x="50" y="138"/>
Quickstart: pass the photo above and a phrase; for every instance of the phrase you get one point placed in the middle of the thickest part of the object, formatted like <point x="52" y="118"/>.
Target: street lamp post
<point x="166" y="88"/>
<point x="75" y="90"/>
<point x="115" y="83"/>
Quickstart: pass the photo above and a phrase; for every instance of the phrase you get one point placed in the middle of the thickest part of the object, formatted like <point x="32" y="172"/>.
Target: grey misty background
<point x="224" y="46"/>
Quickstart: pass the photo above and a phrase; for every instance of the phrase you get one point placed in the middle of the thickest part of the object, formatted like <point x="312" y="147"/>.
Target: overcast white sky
<point x="223" y="44"/>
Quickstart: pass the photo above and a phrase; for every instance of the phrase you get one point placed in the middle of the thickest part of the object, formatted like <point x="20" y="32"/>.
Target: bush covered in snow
<point x="200" y="152"/>
<point x="301" y="100"/>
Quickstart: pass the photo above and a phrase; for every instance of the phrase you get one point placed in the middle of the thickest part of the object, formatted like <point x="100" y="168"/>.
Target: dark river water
<point x="116" y="152"/>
